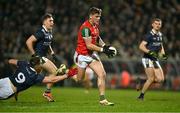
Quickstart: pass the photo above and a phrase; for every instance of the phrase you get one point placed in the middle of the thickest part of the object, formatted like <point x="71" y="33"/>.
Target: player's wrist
<point x="101" y="50"/>
<point x="149" y="51"/>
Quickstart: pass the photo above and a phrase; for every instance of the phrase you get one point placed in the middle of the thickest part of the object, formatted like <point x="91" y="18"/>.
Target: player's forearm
<point x="54" y="79"/>
<point x="162" y="50"/>
<point x="101" y="42"/>
<point x="94" y="47"/>
<point x="51" y="50"/>
<point x="143" y="48"/>
<point x="30" y="46"/>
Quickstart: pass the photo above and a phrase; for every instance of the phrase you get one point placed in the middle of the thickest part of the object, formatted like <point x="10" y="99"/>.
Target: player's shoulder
<point x="41" y="30"/>
<point x="148" y="34"/>
<point x="86" y="24"/>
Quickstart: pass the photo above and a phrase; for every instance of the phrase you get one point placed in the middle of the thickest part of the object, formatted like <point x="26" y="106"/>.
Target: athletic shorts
<point x="45" y="59"/>
<point x="148" y="63"/>
<point x="84" y="60"/>
<point x="5" y="88"/>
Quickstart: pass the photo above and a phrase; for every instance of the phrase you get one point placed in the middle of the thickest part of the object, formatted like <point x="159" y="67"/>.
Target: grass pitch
<point x="75" y="100"/>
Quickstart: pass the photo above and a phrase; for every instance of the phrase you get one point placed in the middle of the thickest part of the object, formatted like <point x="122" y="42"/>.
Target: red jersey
<point x="81" y="45"/>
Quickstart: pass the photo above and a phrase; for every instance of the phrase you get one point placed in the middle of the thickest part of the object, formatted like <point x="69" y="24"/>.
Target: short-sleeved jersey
<point x="154" y="42"/>
<point x="25" y="76"/>
<point x="44" y="39"/>
<point x="81" y="45"/>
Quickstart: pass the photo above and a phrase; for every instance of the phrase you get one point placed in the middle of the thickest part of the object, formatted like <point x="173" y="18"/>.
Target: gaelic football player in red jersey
<point x="89" y="44"/>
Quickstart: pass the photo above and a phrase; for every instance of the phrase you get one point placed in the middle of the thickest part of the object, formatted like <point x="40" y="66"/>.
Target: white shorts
<point x="45" y="59"/>
<point x="84" y="60"/>
<point x="150" y="63"/>
<point x="5" y="88"/>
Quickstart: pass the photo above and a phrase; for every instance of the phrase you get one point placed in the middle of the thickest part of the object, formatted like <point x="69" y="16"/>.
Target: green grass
<point x="75" y="100"/>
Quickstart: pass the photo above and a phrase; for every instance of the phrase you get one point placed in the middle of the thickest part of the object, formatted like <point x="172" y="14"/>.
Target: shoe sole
<point x="107" y="104"/>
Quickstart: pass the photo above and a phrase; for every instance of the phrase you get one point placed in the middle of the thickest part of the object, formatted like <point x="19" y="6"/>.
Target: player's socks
<point x="101" y="97"/>
<point x="48" y="90"/>
<point x="16" y="96"/>
<point x="139" y="83"/>
<point x="141" y="96"/>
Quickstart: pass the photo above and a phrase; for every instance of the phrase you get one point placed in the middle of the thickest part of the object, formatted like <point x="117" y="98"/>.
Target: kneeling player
<point x="26" y="75"/>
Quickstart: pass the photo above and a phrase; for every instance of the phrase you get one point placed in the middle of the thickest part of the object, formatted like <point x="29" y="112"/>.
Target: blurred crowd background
<point x="123" y="25"/>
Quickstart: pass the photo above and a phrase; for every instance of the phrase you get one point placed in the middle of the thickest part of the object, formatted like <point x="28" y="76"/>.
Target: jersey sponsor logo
<point x="47" y="36"/>
<point x="20" y="78"/>
<point x="156" y="43"/>
<point x="47" y="43"/>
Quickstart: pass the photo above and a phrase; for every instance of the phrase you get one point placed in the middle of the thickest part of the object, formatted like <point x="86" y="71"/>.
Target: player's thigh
<point x="149" y="68"/>
<point x="82" y="62"/>
<point x="150" y="73"/>
<point x="98" y="68"/>
<point x="159" y="74"/>
<point x="49" y="66"/>
<point x="81" y="73"/>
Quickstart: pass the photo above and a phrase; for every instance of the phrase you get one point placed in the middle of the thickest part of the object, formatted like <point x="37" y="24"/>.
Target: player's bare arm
<point x="91" y="46"/>
<point x="143" y="48"/>
<point x="51" y="50"/>
<point x="53" y="79"/>
<point x="86" y="34"/>
<point x="101" y="42"/>
<point x="13" y="61"/>
<point x="162" y="50"/>
<point x="30" y="42"/>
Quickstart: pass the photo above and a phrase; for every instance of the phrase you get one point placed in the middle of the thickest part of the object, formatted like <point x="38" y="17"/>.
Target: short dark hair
<point x="36" y="60"/>
<point x="94" y="10"/>
<point x="46" y="16"/>
<point x="156" y="19"/>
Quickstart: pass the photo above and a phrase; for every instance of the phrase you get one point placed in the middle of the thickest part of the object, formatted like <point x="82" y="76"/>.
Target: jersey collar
<point x="45" y="28"/>
<point x="154" y="32"/>
<point x="90" y="23"/>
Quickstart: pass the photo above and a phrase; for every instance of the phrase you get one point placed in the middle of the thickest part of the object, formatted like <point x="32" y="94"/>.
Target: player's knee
<point x="79" y="80"/>
<point x="161" y="79"/>
<point x="102" y="75"/>
<point x="151" y="79"/>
